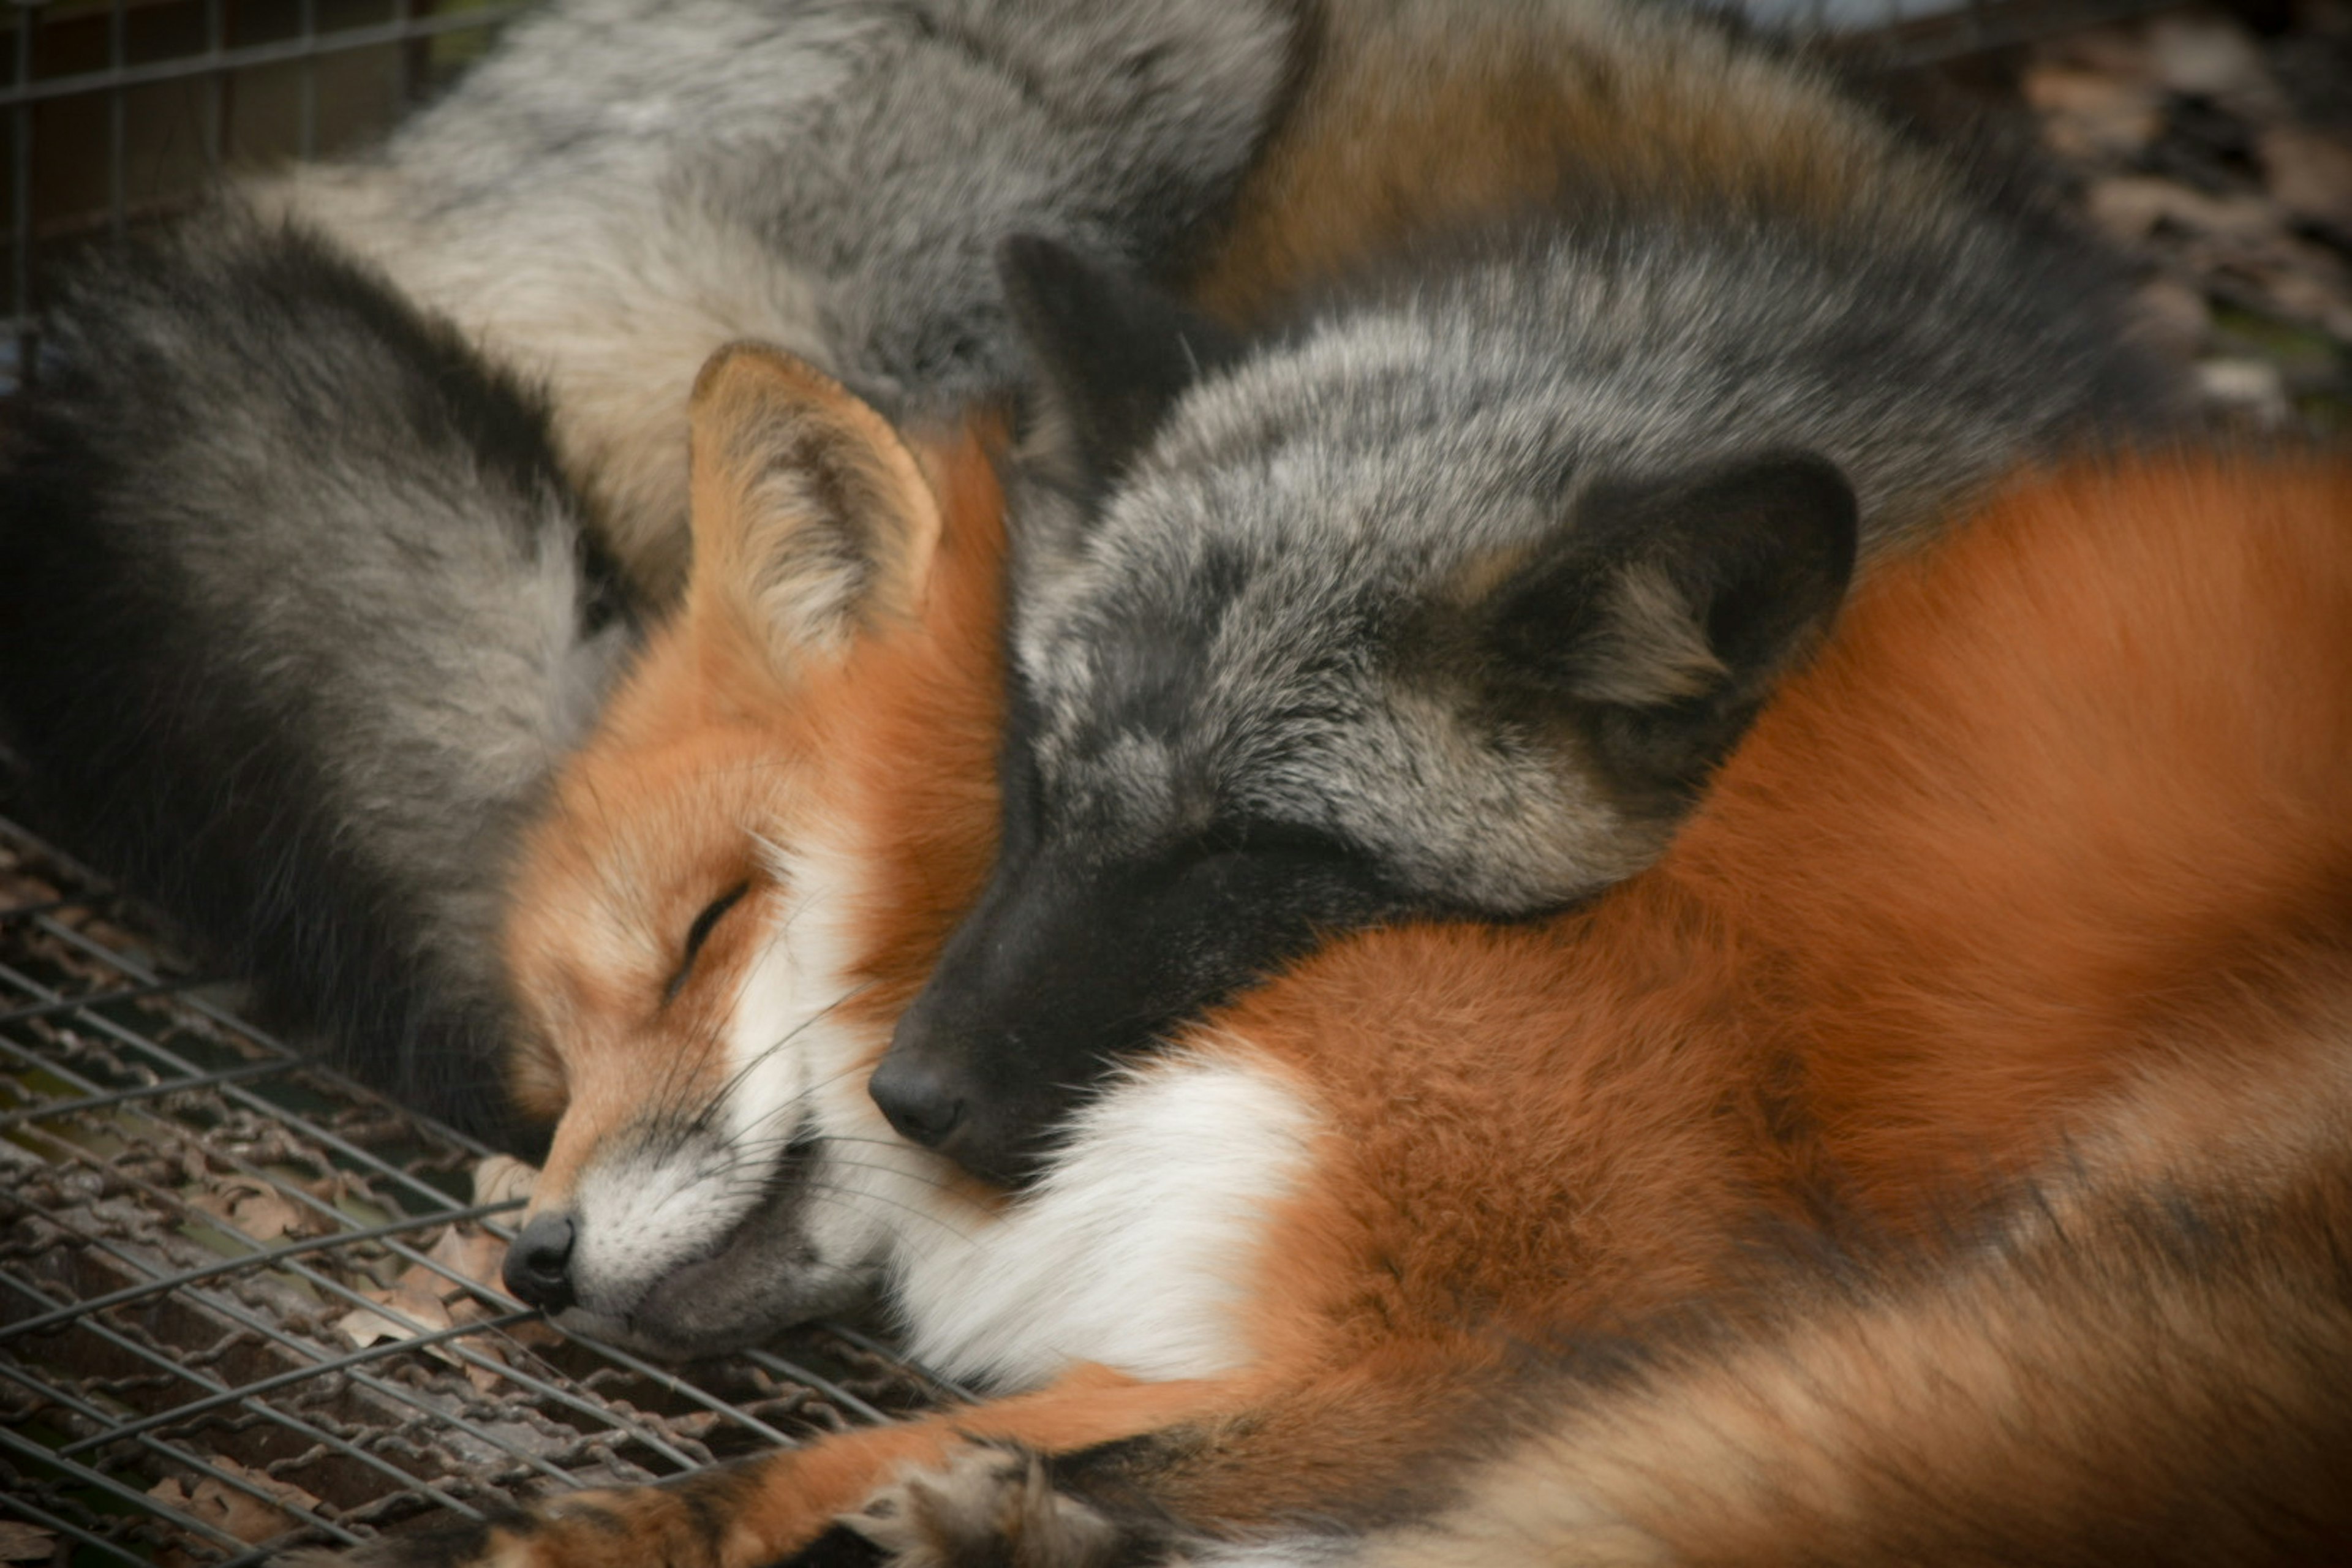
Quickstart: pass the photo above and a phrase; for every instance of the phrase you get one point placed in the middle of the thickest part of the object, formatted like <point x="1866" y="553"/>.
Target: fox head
<point x="1320" y="631"/>
<point x="703" y="959"/>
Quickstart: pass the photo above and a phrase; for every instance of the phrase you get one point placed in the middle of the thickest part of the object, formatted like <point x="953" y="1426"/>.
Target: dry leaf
<point x="234" y="1509"/>
<point x="2087" y="113"/>
<point x="26" y="1543"/>
<point x="2206" y="57"/>
<point x="2130" y="208"/>
<point x="2174" y="319"/>
<point x="254" y="1208"/>
<point x="471" y="1252"/>
<point x="413" y="1299"/>
<point x="2251" y="388"/>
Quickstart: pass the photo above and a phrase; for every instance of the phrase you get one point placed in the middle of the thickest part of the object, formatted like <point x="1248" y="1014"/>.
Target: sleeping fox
<point x="2053" y="825"/>
<point x="1314" y="555"/>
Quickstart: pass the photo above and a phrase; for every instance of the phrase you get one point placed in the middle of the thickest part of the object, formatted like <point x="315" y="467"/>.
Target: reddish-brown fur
<point x="2059" y="812"/>
<point x="1414" y="116"/>
<point x="709" y="747"/>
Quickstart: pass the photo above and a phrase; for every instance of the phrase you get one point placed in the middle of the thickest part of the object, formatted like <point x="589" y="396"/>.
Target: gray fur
<point x="1372" y="613"/>
<point x="1311" y="509"/>
<point x="299" y="614"/>
<point x="627" y="185"/>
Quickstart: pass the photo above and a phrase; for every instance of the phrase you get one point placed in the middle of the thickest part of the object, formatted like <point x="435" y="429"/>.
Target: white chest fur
<point x="1135" y="1250"/>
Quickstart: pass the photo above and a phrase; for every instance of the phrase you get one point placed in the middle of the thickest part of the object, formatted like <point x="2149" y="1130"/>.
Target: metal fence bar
<point x="109" y="1433"/>
<point x="260" y="1259"/>
<point x="339" y="40"/>
<point x="322" y="1365"/>
<point x="54" y="1108"/>
<point x="34" y="1451"/>
<point x="149" y="1049"/>
<point x="75" y="1004"/>
<point x="35" y="1514"/>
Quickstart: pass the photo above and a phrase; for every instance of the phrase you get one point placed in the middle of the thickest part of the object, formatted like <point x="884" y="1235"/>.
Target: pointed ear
<point x="1668" y="609"/>
<point x="1113" y="353"/>
<point x="811" y="517"/>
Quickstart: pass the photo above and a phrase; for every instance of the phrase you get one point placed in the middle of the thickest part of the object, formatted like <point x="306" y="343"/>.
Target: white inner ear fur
<point x="1651" y="647"/>
<point x="829" y="520"/>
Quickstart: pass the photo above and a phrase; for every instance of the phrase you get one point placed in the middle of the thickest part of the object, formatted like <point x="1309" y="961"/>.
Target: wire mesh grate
<point x="245" y="1304"/>
<point x="113" y="112"/>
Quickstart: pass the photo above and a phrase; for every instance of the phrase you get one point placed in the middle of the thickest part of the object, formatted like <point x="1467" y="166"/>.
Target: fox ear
<point x="1668" y="609"/>
<point x="1114" y="354"/>
<point x="811" y="517"/>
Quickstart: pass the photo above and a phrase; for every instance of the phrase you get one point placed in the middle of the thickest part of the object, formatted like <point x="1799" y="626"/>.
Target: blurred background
<point x="2214" y="143"/>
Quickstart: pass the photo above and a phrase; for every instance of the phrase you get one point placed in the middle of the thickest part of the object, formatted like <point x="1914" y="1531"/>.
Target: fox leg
<point x="757" y="1512"/>
<point x="1361" y="1446"/>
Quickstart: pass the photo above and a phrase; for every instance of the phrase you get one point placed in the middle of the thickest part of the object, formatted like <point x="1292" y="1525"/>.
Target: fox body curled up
<point x="2049" y="831"/>
<point x="1430" y="563"/>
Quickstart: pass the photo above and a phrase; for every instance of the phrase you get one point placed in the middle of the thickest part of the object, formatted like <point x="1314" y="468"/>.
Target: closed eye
<point x="699" y="932"/>
<point x="1287" y="840"/>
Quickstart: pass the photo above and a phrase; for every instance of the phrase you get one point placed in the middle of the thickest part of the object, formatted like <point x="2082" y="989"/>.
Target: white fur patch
<point x="1134" y="1250"/>
<point x="653" y="1209"/>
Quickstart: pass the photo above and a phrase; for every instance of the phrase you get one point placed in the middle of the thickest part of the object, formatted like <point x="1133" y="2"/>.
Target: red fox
<point x="2054" y="821"/>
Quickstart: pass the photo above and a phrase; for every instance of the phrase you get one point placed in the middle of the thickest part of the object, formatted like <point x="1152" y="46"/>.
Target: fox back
<point x="624" y="186"/>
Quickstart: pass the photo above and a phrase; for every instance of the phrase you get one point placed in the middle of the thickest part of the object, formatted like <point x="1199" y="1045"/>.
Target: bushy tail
<point x="296" y="615"/>
<point x="2151" y="1363"/>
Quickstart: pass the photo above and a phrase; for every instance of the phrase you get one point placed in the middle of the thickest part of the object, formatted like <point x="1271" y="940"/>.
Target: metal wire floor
<point x="245" y="1304"/>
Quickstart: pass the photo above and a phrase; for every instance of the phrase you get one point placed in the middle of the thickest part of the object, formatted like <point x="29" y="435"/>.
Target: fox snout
<point x="984" y="1095"/>
<point x="538" y="1270"/>
<point x="1069" y="967"/>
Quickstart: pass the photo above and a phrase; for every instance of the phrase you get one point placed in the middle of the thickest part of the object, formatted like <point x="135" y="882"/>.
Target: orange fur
<point x="2057" y="811"/>
<point x="710" y="748"/>
<point x="1414" y="116"/>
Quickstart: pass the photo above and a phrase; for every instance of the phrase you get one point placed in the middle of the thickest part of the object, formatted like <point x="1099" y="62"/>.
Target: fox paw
<point x="645" y="1527"/>
<point x="989" y="1505"/>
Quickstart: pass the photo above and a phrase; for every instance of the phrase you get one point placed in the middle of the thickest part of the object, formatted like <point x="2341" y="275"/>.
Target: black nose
<point x="919" y="1099"/>
<point x="538" y="1264"/>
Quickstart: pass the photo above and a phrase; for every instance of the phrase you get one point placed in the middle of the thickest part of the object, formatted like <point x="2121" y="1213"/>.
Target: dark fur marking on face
<point x="1116" y="351"/>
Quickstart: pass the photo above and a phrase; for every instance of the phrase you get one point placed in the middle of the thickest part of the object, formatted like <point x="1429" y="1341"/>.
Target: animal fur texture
<point x="1431" y="560"/>
<point x="2146" y="1359"/>
<point x="626" y="186"/>
<point x="302" y="606"/>
<point x="2049" y="831"/>
<point x="296" y="613"/>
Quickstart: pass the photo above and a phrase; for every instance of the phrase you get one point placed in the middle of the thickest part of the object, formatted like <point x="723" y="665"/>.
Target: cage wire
<point x="244" y="1303"/>
<point x="247" y="1304"/>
